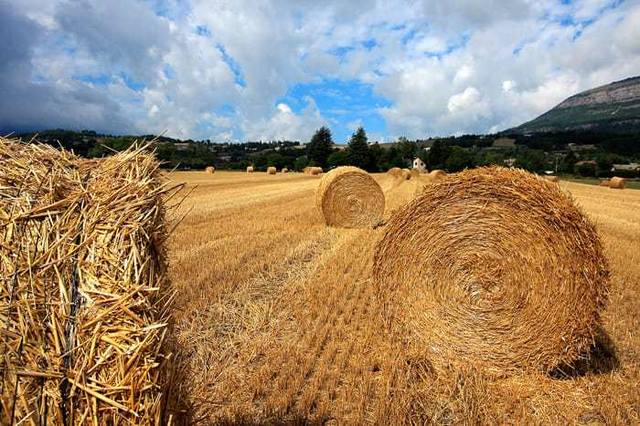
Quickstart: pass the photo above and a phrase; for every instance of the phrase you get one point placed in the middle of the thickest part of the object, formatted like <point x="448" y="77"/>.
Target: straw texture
<point x="395" y="171"/>
<point x="552" y="178"/>
<point x="348" y="197"/>
<point x="493" y="267"/>
<point x="604" y="182"/>
<point x="83" y="299"/>
<point x="436" y="175"/>
<point x="617" y="183"/>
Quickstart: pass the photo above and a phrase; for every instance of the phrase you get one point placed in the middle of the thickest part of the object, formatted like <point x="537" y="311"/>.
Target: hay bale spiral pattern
<point x="348" y="197"/>
<point x="494" y="267"/>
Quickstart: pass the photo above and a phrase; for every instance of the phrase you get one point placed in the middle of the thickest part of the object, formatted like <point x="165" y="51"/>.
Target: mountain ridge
<point x="613" y="107"/>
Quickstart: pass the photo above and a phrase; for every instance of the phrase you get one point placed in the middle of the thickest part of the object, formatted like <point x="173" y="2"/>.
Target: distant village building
<point x="509" y="162"/>
<point x="578" y="148"/>
<point x="182" y="146"/>
<point x="631" y="167"/>
<point x="503" y="143"/>
<point x="419" y="165"/>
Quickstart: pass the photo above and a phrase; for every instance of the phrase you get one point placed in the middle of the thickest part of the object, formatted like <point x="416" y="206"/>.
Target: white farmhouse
<point x="419" y="165"/>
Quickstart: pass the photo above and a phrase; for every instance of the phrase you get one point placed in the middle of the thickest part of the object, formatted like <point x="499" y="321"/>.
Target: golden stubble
<point x="276" y="319"/>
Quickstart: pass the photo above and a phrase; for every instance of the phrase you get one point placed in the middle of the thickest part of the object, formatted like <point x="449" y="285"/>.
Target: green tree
<point x="337" y="159"/>
<point x="568" y="162"/>
<point x="358" y="149"/>
<point x="320" y="146"/>
<point x="408" y="149"/>
<point x="438" y="155"/>
<point x="458" y="159"/>
<point x="531" y="159"/>
<point x="300" y="163"/>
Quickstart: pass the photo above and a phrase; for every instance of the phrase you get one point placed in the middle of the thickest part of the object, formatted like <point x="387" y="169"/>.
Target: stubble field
<point x="276" y="319"/>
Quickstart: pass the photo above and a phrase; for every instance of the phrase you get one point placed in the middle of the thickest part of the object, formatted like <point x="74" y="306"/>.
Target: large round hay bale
<point x="348" y="197"/>
<point x="415" y="173"/>
<point x="493" y="267"/>
<point x="406" y="174"/>
<point x="250" y="169"/>
<point x="395" y="171"/>
<point x="552" y="178"/>
<point x="271" y="170"/>
<point x="210" y="169"/>
<point x="617" y="182"/>
<point x="604" y="182"/>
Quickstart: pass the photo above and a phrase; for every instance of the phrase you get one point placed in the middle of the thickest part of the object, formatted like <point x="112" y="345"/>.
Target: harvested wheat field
<point x="277" y="319"/>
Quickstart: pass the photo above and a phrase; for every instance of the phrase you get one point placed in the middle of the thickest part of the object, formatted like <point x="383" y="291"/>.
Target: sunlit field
<point x="276" y="320"/>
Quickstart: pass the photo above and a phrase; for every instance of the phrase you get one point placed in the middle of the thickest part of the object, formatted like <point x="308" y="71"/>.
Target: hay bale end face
<point x="82" y="251"/>
<point x="617" y="183"/>
<point x="271" y="170"/>
<point x="493" y="267"/>
<point x="349" y="197"/>
<point x="210" y="170"/>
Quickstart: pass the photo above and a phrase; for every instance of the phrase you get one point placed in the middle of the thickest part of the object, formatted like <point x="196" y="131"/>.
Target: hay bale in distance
<point x="493" y="267"/>
<point x="617" y="182"/>
<point x="85" y="320"/>
<point x="436" y="175"/>
<point x="271" y="170"/>
<point x="249" y="169"/>
<point x="314" y="171"/>
<point x="395" y="171"/>
<point x="349" y="197"/>
<point x="552" y="178"/>
<point x="285" y="170"/>
<point x="604" y="182"/>
<point x="210" y="169"/>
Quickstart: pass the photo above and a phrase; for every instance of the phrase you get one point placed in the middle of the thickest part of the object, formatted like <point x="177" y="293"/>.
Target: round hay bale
<point x="617" y="182"/>
<point x="406" y="174"/>
<point x="604" y="183"/>
<point x="552" y="178"/>
<point x="271" y="170"/>
<point x="415" y="173"/>
<point x="348" y="197"/>
<point x="285" y="170"/>
<point x="395" y="171"/>
<point x="314" y="171"/>
<point x="493" y="267"/>
<point x="436" y="175"/>
<point x="250" y="169"/>
<point x="210" y="169"/>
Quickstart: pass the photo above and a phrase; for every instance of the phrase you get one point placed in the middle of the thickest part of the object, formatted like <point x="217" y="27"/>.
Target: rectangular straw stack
<point x="83" y="298"/>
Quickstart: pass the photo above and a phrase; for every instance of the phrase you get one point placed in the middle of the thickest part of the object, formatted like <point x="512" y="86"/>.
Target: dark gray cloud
<point x="28" y="104"/>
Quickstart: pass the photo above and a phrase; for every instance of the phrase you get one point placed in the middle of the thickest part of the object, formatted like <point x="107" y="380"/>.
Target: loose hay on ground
<point x="496" y="268"/>
<point x="348" y="197"/>
<point x="82" y="297"/>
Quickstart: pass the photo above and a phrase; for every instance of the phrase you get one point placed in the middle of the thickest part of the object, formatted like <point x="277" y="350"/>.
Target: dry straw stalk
<point x="349" y="197"/>
<point x="493" y="267"/>
<point x="83" y="299"/>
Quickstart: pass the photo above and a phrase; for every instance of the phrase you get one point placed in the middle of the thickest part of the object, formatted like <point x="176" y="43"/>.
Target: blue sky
<point x="212" y="69"/>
